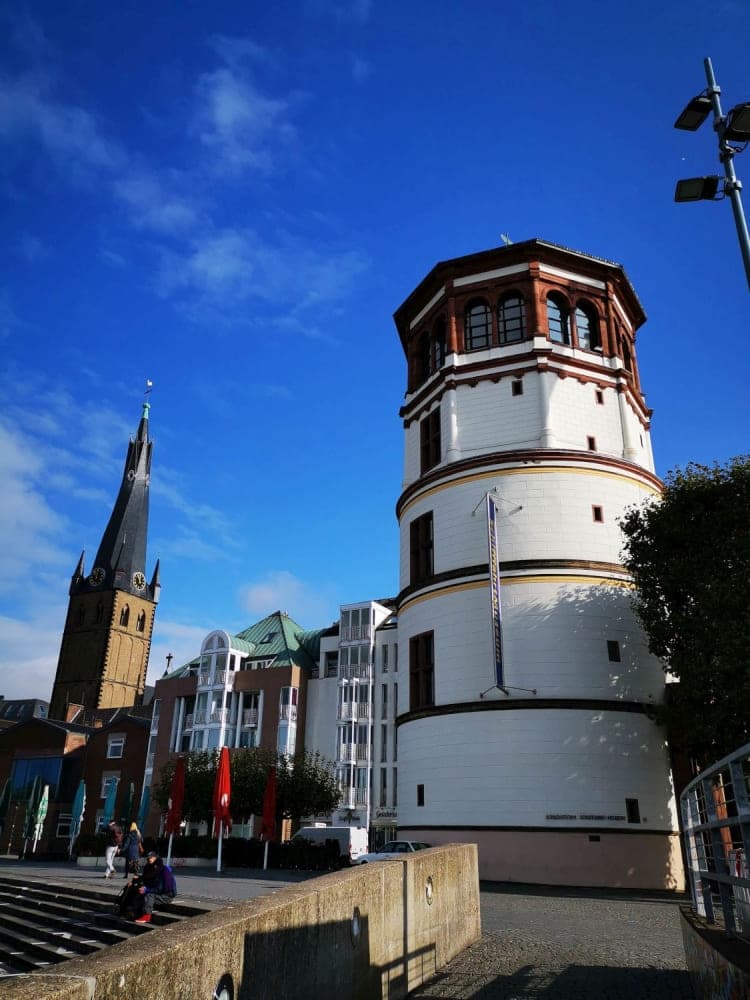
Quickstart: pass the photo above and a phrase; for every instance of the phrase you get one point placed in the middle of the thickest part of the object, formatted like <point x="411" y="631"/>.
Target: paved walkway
<point x="538" y="943"/>
<point x="546" y="942"/>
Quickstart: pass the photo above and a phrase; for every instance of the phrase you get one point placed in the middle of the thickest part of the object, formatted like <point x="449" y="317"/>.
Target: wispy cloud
<point x="281" y="590"/>
<point x="361" y="69"/>
<point x="152" y="205"/>
<point x="9" y="321"/>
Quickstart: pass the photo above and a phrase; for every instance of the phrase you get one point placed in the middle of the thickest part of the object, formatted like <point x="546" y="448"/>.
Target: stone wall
<point x="374" y="931"/>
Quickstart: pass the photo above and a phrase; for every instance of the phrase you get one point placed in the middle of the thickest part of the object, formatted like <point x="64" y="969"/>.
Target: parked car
<point x="392" y="851"/>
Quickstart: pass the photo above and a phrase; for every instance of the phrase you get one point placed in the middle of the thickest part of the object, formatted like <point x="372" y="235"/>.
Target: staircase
<point x="42" y="924"/>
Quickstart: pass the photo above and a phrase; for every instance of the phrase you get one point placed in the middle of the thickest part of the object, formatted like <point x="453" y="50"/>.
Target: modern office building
<point x="527" y="722"/>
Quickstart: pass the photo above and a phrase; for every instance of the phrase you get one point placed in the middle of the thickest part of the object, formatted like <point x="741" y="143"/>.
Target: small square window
<point x="591" y="443"/>
<point x="516" y="387"/>
<point x="613" y="650"/>
<point x="600" y="397"/>
<point x="597" y="513"/>
<point x="420" y="795"/>
<point x="594" y="838"/>
<point x="115" y="746"/>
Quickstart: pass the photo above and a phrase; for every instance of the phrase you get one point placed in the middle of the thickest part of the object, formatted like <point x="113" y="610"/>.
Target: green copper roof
<point x="278" y="637"/>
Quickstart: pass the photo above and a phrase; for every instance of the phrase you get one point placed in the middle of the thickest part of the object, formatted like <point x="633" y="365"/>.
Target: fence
<point x="716" y="828"/>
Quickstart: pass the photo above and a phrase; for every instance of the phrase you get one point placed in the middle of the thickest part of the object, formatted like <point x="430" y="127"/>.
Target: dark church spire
<point x="120" y="563"/>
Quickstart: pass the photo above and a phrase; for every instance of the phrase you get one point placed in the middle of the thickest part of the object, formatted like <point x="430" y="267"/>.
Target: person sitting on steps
<point x="152" y="887"/>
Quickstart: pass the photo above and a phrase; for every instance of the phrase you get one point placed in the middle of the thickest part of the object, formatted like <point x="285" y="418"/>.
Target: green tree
<point x="306" y="786"/>
<point x="249" y="769"/>
<point x="200" y="774"/>
<point x="689" y="554"/>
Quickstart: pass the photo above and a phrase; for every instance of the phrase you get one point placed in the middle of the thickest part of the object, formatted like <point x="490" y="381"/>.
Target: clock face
<point x="97" y="576"/>
<point x="139" y="581"/>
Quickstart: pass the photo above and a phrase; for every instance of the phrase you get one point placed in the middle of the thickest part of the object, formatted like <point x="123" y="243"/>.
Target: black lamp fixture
<point x="694" y="113"/>
<point x="738" y="124"/>
<point x="697" y="189"/>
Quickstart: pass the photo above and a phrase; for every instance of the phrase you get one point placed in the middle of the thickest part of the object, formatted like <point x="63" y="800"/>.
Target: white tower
<point x="523" y="384"/>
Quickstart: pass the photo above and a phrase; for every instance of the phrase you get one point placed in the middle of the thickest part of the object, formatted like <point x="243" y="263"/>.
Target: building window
<point x="557" y="319"/>
<point x="587" y="327"/>
<point x="115" y="746"/>
<point x="395" y="786"/>
<point x="632" y="810"/>
<point x="383" y="787"/>
<point x="395" y="700"/>
<point x="613" y="650"/>
<point x="107" y="778"/>
<point x="395" y="747"/>
<point x="511" y="319"/>
<point x="125" y="616"/>
<point x="626" y="358"/>
<point x="600" y="397"/>
<point x="597" y="513"/>
<point x="429" y="440"/>
<point x="383" y="743"/>
<point x="516" y="387"/>
<point x="420" y="795"/>
<point x="421" y="671"/>
<point x="384" y="702"/>
<point x="332" y="664"/>
<point x="437" y="348"/>
<point x="385" y="658"/>
<point x="63" y="825"/>
<point x="421" y="545"/>
<point x="591" y="443"/>
<point x="477" y="326"/>
<point x="141" y="622"/>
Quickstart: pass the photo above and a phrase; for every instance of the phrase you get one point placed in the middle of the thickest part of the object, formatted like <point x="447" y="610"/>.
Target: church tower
<point x="528" y="722"/>
<point x="107" y="636"/>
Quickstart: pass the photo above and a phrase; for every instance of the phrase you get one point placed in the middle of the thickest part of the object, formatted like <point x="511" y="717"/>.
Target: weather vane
<point x="149" y="387"/>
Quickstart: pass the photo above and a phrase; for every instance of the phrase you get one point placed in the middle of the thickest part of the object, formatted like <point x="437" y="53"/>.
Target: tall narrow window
<point x="626" y="357"/>
<point x="437" y="356"/>
<point x="421" y="540"/>
<point x="557" y="319"/>
<point x="420" y="795"/>
<point x="511" y="319"/>
<point x="587" y="327"/>
<point x="384" y="702"/>
<point x="141" y="622"/>
<point x="477" y="326"/>
<point x="613" y="650"/>
<point x="632" y="811"/>
<point x="383" y="787"/>
<point x="125" y="616"/>
<point x="421" y="671"/>
<point x="429" y="440"/>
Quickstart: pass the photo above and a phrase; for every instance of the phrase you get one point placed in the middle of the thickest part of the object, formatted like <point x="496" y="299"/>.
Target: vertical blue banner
<point x="497" y="613"/>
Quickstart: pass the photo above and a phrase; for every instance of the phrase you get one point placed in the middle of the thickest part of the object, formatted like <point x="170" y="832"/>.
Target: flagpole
<point x="169" y="850"/>
<point x="218" y="855"/>
<point x="265" y="857"/>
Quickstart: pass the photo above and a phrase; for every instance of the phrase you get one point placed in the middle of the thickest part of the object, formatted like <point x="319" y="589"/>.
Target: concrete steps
<point x="43" y="924"/>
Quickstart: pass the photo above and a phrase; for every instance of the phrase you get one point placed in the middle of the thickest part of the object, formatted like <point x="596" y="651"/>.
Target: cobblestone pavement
<point x="545" y="942"/>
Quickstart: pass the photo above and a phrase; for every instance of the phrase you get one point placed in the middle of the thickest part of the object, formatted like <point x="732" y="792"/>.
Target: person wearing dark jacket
<point x="151" y="886"/>
<point x="132" y="849"/>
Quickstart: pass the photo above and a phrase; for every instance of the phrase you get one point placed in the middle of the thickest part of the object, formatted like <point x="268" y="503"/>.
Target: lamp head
<point x="694" y="114"/>
<point x="697" y="189"/>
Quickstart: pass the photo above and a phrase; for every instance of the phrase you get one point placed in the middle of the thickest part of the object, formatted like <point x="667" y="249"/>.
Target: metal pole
<point x="733" y="186"/>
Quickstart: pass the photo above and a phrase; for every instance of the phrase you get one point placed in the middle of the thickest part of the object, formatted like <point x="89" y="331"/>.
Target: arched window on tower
<point x="557" y="319"/>
<point x="141" y="622"/>
<point x="437" y="353"/>
<point x="627" y="359"/>
<point x="511" y="318"/>
<point x="125" y="616"/>
<point x="99" y="613"/>
<point x="477" y="326"/>
<point x="587" y="327"/>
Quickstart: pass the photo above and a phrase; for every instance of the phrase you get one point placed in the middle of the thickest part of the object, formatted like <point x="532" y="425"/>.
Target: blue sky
<point x="231" y="200"/>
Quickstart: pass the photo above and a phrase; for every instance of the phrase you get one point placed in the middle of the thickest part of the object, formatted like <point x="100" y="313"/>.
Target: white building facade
<point x="523" y="385"/>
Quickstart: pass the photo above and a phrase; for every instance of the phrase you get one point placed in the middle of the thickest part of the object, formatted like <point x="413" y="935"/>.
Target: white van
<point x="352" y="839"/>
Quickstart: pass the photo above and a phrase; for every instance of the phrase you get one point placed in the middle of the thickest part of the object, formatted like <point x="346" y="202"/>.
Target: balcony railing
<point x="204" y="678"/>
<point x="353" y="797"/>
<point x="353" y="632"/>
<point x="354" y="710"/>
<point x="352" y="752"/>
<point x="288" y="713"/>
<point x="250" y="717"/>
<point x="223" y="715"/>
<point x="188" y="724"/>
<point x="356" y="671"/>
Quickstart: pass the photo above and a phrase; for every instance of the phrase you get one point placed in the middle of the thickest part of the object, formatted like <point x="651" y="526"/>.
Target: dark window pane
<point x="477" y="326"/>
<point x="557" y="320"/>
<point x="511" y="319"/>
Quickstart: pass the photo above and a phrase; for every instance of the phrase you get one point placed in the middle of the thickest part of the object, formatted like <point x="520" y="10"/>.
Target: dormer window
<point x="268" y="637"/>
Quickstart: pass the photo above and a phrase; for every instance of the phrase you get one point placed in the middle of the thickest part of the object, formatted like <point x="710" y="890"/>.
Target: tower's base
<point x="574" y="857"/>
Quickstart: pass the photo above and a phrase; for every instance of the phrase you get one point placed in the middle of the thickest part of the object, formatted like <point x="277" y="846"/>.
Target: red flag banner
<point x="268" y="828"/>
<point x="222" y="793"/>
<point x="176" y="798"/>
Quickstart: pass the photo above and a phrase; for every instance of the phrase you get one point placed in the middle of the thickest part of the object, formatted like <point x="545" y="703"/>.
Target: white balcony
<point x="288" y="713"/>
<point x="205" y="678"/>
<point x="354" y="632"/>
<point x="356" y="671"/>
<point x="222" y="715"/>
<point x="250" y="717"/>
<point x="188" y="723"/>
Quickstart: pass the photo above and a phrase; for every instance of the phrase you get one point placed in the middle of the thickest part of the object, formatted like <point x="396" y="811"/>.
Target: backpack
<point x="169" y="882"/>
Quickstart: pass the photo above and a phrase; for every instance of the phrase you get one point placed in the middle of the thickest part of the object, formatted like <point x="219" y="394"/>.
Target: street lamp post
<point x="734" y="127"/>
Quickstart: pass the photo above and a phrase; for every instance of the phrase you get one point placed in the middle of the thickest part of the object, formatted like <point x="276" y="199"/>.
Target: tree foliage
<point x="306" y="785"/>
<point x="690" y="557"/>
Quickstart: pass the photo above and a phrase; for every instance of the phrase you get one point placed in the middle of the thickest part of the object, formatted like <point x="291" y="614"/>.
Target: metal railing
<point x="353" y="710"/>
<point x="355" y="671"/>
<point x="351" y="752"/>
<point x="715" y="810"/>
<point x="288" y="712"/>
<point x="250" y="717"/>
<point x="205" y="680"/>
<point x="353" y="632"/>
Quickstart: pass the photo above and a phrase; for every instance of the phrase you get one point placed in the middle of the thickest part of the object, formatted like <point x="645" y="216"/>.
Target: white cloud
<point x="281" y="590"/>
<point x="152" y="206"/>
<point x="183" y="641"/>
<point x="28" y="654"/>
